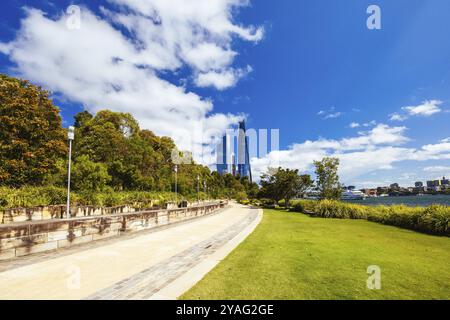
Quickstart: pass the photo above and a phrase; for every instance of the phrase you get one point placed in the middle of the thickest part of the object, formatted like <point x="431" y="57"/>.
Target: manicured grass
<point x="294" y="256"/>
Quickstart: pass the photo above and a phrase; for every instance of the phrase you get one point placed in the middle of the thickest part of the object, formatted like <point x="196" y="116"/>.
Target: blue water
<point x="422" y="201"/>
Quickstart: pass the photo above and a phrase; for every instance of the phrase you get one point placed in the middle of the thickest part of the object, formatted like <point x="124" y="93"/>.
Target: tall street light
<point x="176" y="184"/>
<point x="198" y="188"/>
<point x="71" y="137"/>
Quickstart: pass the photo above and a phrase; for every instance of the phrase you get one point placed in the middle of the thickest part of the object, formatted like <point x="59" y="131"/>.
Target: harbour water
<point x="421" y="201"/>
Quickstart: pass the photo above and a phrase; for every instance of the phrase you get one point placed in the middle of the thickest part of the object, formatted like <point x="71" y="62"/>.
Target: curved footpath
<point x="155" y="264"/>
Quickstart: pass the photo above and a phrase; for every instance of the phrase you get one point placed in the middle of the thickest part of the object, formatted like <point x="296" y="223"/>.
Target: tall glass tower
<point x="244" y="168"/>
<point x="228" y="161"/>
<point x="222" y="156"/>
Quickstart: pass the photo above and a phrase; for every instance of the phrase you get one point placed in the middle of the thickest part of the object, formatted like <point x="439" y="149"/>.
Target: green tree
<point x="284" y="184"/>
<point x="31" y="136"/>
<point x="89" y="176"/>
<point x="328" y="179"/>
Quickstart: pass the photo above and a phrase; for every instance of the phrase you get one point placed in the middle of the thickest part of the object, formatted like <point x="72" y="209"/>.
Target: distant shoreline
<point x="409" y="200"/>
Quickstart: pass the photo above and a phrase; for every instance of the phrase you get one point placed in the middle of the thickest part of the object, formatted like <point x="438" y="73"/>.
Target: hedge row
<point x="434" y="219"/>
<point x="27" y="197"/>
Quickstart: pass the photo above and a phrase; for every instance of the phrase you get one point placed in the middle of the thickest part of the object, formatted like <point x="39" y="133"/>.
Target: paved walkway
<point x="160" y="264"/>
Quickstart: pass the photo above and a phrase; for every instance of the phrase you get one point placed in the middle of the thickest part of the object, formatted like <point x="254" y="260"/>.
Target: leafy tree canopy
<point x="283" y="184"/>
<point x="328" y="179"/>
<point x="31" y="136"/>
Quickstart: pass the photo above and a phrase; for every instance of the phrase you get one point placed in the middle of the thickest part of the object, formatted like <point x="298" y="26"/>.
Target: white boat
<point x="352" y="195"/>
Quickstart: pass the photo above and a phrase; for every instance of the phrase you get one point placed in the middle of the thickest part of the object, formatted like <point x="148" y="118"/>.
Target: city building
<point x="445" y="182"/>
<point x="228" y="161"/>
<point x="222" y="156"/>
<point x="419" y="184"/>
<point x="370" y="192"/>
<point x="244" y="168"/>
<point x="438" y="185"/>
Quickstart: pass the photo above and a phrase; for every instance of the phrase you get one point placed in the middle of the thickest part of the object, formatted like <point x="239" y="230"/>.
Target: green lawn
<point x="293" y="256"/>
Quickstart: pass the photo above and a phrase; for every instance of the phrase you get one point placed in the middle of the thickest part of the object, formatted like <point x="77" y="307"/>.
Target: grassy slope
<point x="293" y="256"/>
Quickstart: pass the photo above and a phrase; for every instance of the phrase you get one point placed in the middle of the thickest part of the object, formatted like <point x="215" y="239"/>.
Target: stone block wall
<point x="59" y="212"/>
<point x="25" y="238"/>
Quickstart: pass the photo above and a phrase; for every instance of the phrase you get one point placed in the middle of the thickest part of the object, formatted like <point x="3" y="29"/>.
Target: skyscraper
<point x="227" y="159"/>
<point x="244" y="168"/>
<point x="222" y="156"/>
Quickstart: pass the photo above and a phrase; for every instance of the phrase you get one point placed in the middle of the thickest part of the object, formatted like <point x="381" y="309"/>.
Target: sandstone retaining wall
<point x="24" y="238"/>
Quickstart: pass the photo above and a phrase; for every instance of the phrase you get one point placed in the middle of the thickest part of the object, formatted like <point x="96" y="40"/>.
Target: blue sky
<point x="314" y="70"/>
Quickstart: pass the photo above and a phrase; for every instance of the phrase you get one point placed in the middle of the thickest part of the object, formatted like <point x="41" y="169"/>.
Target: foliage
<point x="32" y="197"/>
<point x="241" y="196"/>
<point x="328" y="178"/>
<point x="45" y="196"/>
<point x="89" y="176"/>
<point x="434" y="219"/>
<point x="110" y="152"/>
<point x="31" y="136"/>
<point x="284" y="184"/>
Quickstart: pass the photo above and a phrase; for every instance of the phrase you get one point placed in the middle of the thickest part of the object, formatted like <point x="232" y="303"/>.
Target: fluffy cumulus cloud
<point x="122" y="56"/>
<point x="221" y="80"/>
<point x="370" y="151"/>
<point x="425" y="109"/>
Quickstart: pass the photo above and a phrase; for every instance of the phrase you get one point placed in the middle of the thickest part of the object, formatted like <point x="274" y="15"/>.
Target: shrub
<point x="434" y="219"/>
<point x="240" y="196"/>
<point x="88" y="175"/>
<point x="268" y="203"/>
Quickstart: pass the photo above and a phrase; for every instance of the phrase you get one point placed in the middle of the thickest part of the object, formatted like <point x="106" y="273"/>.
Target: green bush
<point x="434" y="219"/>
<point x="268" y="203"/>
<point x="31" y="197"/>
<point x="44" y="196"/>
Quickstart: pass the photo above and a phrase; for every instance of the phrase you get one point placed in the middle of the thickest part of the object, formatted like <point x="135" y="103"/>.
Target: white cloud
<point x="366" y="124"/>
<point x="377" y="149"/>
<point x="427" y="108"/>
<point x="100" y="67"/>
<point x="221" y="80"/>
<point x="370" y="124"/>
<point x="329" y="114"/>
<point x="440" y="169"/>
<point x="397" y="117"/>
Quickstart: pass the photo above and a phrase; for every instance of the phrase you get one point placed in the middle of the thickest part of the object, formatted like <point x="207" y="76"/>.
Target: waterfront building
<point x="445" y="182"/>
<point x="370" y="192"/>
<point x="419" y="184"/>
<point x="438" y="185"/>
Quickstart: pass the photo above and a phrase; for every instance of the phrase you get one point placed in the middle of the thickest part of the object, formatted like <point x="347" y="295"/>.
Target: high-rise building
<point x="244" y="168"/>
<point x="228" y="162"/>
<point x="222" y="156"/>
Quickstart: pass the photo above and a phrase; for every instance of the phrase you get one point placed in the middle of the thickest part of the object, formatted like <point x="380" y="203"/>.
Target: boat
<point x="352" y="195"/>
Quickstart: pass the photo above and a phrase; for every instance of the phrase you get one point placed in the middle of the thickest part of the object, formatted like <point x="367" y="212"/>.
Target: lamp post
<point x="71" y="137"/>
<point x="176" y="184"/>
<point x="198" y="188"/>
